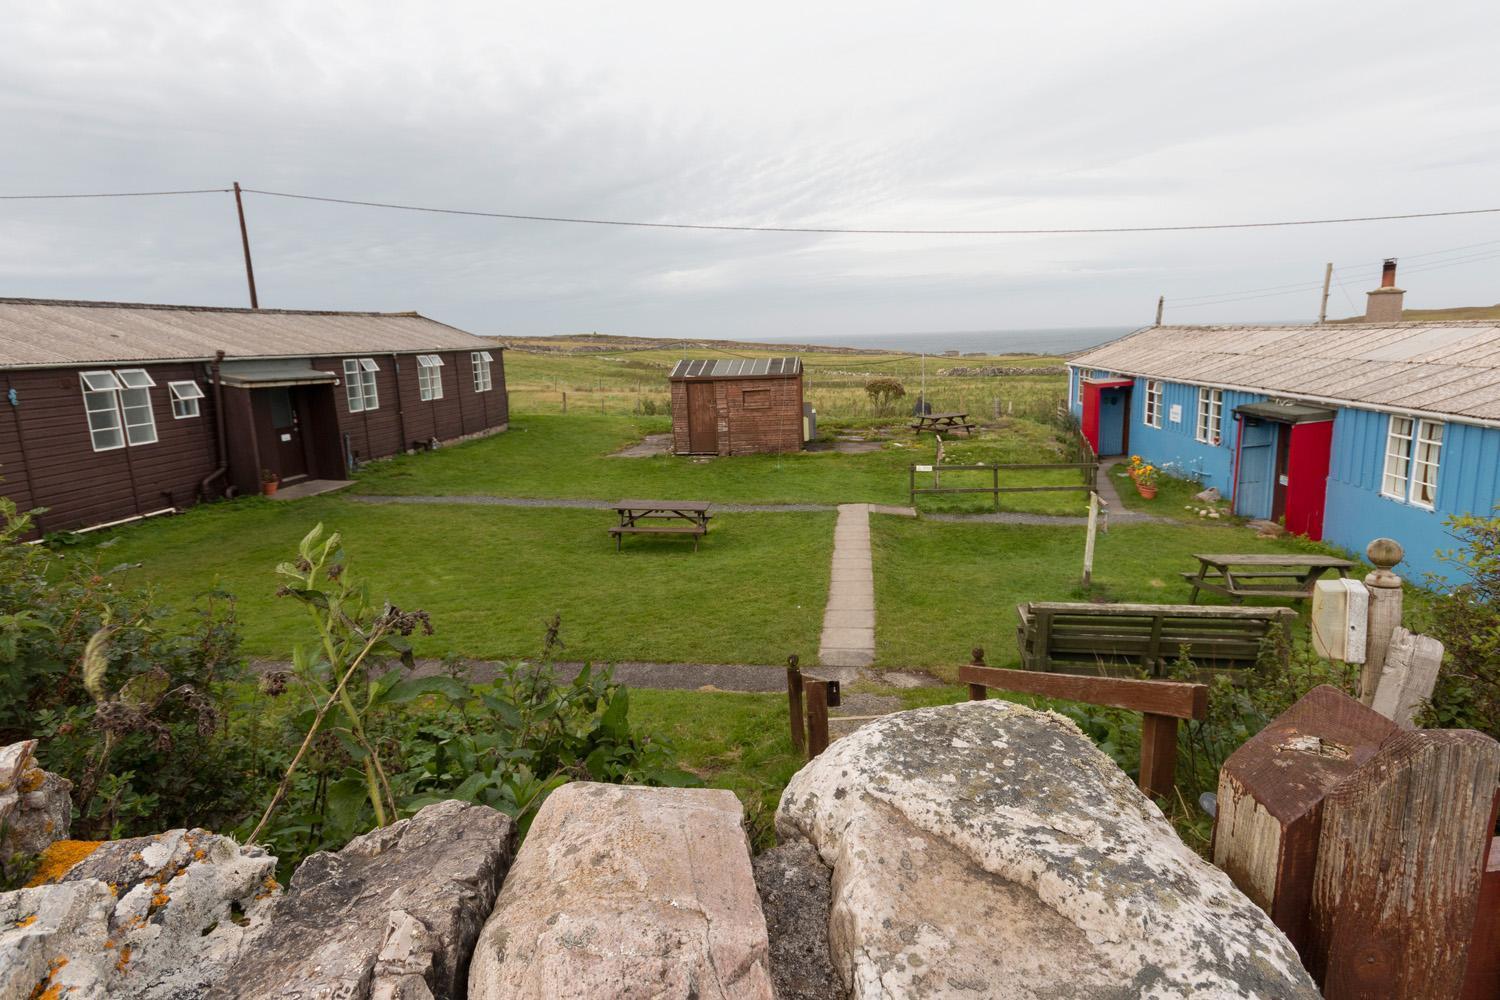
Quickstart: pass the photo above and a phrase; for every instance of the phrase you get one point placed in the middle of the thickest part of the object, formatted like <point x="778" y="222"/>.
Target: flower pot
<point x="1149" y="492"/>
<point x="269" y="489"/>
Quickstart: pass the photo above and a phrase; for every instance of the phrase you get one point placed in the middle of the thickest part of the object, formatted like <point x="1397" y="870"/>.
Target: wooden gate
<point x="703" y="420"/>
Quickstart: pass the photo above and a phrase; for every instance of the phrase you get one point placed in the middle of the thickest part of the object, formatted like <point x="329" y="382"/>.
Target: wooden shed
<point x="737" y="406"/>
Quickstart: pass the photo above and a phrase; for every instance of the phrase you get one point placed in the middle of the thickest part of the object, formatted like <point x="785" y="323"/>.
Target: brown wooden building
<point x="120" y="410"/>
<point x="737" y="406"/>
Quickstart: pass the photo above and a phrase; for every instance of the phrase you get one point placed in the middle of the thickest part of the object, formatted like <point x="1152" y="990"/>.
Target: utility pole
<point x="239" y="206"/>
<point x="1327" y="280"/>
<point x="1161" y="300"/>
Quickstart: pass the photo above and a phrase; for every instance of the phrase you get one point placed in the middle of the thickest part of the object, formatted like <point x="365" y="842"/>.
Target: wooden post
<point x="1271" y="793"/>
<point x="1088" y="542"/>
<point x="817" y="716"/>
<point x="1161" y="301"/>
<point x="1482" y="980"/>
<point x="1410" y="674"/>
<point x="1400" y="866"/>
<point x="1158" y="754"/>
<point x="1327" y="280"/>
<point x="1385" y="613"/>
<point x="794" y="704"/>
<point x="565" y="401"/>
<point x="977" y="692"/>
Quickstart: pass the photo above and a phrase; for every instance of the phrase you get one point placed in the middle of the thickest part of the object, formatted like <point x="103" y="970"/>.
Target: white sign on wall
<point x="1174" y="413"/>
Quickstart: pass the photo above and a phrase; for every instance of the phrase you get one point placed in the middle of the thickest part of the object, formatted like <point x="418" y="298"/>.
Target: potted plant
<point x="1136" y="465"/>
<point x="268" y="482"/>
<point x="1145" y="482"/>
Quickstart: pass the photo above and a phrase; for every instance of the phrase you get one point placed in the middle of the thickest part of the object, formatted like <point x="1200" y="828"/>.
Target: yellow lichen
<point x="124" y="959"/>
<point x="32" y="780"/>
<point x="59" y="859"/>
<point x="26" y="921"/>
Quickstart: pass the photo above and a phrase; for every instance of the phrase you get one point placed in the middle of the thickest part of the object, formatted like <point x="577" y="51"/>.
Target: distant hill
<point x="1460" y="312"/>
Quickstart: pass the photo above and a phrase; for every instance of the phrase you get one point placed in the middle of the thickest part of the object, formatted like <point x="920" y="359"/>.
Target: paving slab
<point x="848" y="637"/>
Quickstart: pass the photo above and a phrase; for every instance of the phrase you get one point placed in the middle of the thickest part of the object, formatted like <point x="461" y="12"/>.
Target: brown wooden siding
<point x="771" y="423"/>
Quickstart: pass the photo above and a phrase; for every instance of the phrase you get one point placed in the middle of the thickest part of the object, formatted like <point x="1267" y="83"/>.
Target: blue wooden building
<point x="1341" y="432"/>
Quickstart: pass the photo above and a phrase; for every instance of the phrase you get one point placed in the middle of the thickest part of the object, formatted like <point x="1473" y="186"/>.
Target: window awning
<point x="1284" y="413"/>
<point x="271" y="375"/>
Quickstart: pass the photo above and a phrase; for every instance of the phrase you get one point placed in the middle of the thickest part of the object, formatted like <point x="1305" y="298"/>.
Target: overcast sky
<point x="963" y="115"/>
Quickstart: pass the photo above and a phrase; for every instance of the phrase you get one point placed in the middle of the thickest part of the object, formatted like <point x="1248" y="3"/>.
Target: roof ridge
<point x="102" y="304"/>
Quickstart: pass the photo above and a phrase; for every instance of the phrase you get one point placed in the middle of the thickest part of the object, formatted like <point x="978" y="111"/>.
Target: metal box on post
<point x="1340" y="620"/>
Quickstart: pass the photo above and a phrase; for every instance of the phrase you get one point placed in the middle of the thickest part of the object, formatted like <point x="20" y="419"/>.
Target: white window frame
<point x="185" y="397"/>
<point x="1152" y="410"/>
<point x="103" y="410"/>
<point x="429" y="377"/>
<point x="135" y="405"/>
<point x="1413" y="455"/>
<point x="480" y="360"/>
<point x="1080" y="386"/>
<point x="360" y="388"/>
<point x="1210" y="427"/>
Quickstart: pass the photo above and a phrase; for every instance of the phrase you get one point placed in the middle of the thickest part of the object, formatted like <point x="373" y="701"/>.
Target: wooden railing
<point x="1089" y="472"/>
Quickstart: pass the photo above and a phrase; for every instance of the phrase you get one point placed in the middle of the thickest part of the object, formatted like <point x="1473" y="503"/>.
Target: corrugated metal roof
<point x="736" y="367"/>
<point x="47" y="333"/>
<point x="1447" y="368"/>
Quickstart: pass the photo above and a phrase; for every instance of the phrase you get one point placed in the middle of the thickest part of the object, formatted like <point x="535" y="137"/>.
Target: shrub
<point x="884" y="392"/>
<point x="1466" y="619"/>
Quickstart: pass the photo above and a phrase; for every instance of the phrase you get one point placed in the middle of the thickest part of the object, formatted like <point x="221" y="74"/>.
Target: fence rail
<point x="1090" y="472"/>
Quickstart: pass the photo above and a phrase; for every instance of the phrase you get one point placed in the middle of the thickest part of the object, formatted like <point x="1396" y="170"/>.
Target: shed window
<point x="359" y="384"/>
<point x="185" y="396"/>
<point x="755" y="399"/>
<point x="1210" y="415"/>
<point x="135" y="403"/>
<point x="1153" y="403"/>
<point x="101" y="391"/>
<point x="1412" y="451"/>
<point x="480" y="360"/>
<point x="430" y="376"/>
<point x="1080" y="386"/>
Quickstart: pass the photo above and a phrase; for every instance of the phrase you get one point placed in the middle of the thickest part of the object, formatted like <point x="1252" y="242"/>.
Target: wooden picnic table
<point x="1241" y="575"/>
<point x="941" y="422"/>
<point x="663" y="517"/>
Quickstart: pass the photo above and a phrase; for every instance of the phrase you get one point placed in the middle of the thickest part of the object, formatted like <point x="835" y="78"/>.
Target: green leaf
<point x="616" y="722"/>
<point x="408" y="690"/>
<point x="145" y="689"/>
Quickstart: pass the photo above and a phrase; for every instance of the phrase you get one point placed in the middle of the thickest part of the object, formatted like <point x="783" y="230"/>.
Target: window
<point x="1080" y="386"/>
<point x="1405" y="479"/>
<point x="101" y="392"/>
<point x="481" y="364"/>
<point x="1210" y="415"/>
<point x="755" y="399"/>
<point x="1153" y="403"/>
<point x="359" y="384"/>
<point x="185" y="396"/>
<point x="430" y="376"/>
<point x="135" y="403"/>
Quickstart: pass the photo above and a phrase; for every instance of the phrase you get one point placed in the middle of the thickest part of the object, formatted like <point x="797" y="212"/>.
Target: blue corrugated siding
<point x="1468" y="482"/>
<point x="1174" y="447"/>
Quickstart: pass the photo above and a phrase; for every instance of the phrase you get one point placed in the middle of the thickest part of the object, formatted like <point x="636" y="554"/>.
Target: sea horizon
<point x="1021" y="340"/>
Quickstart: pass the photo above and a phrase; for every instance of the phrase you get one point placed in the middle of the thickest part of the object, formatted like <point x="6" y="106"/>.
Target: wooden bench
<point x="1124" y="640"/>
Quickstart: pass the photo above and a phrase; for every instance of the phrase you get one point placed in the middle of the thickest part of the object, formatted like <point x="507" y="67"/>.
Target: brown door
<point x="1283" y="451"/>
<point x="703" y="422"/>
<point x="286" y="430"/>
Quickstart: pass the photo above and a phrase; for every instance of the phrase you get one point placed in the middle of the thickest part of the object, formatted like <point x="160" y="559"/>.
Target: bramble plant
<point x="1466" y="619"/>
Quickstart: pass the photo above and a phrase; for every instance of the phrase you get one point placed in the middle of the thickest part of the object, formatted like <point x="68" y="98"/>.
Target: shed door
<point x="287" y="428"/>
<point x="703" y="422"/>
<point x="1254" y="493"/>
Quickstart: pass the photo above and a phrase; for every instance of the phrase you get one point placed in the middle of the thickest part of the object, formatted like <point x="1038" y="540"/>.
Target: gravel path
<point x="566" y="502"/>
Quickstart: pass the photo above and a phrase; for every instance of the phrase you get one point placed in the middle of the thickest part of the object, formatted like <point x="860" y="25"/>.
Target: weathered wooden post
<point x="1385" y="612"/>
<point x="794" y="704"/>
<point x="1088" y="542"/>
<point x="1411" y="668"/>
<point x="817" y="716"/>
<point x="1400" y="865"/>
<point x="1270" y="803"/>
<point x="977" y="692"/>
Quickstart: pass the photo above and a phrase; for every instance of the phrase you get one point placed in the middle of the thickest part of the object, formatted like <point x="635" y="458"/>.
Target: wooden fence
<point x="1089" y="471"/>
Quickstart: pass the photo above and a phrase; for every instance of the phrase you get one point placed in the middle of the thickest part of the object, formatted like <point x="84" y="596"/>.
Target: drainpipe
<point x="400" y="407"/>
<point x="223" y="451"/>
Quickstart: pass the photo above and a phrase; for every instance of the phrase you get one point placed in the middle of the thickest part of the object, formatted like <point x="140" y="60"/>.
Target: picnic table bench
<point x="1125" y="639"/>
<point x="664" y="517"/>
<point x="942" y="423"/>
<point x="1238" y="576"/>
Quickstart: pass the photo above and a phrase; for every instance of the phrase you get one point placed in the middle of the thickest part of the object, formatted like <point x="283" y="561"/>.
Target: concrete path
<point x="849" y="620"/>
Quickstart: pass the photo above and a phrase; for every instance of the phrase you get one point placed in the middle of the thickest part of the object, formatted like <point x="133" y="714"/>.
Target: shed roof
<point x="736" y="368"/>
<point x="1448" y="368"/>
<point x="50" y="333"/>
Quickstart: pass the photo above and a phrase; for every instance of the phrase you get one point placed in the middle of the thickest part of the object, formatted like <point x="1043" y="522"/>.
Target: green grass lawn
<point x="943" y="588"/>
<point x="550" y="456"/>
<point x="492" y="576"/>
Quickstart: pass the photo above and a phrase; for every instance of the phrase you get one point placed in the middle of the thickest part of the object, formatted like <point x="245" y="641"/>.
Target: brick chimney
<point x="1384" y="303"/>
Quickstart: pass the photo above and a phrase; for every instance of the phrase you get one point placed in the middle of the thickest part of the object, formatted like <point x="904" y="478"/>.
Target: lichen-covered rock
<point x="628" y="893"/>
<point x="150" y="918"/>
<point x="985" y="849"/>
<point x="794" y="886"/>
<point x="35" y="807"/>
<point x="392" y="916"/>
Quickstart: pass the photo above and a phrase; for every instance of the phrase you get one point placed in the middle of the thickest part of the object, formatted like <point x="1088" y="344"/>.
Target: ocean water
<point x="1060" y="340"/>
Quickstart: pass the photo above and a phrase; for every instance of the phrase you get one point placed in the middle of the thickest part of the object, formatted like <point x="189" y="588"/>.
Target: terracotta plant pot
<point x="269" y="489"/>
<point x="1149" y="492"/>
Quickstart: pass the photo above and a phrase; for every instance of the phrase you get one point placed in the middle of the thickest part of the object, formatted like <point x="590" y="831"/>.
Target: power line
<point x="865" y="232"/>
<point x="112" y="194"/>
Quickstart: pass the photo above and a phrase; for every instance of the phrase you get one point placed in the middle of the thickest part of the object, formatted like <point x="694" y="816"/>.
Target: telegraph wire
<point x="113" y="194"/>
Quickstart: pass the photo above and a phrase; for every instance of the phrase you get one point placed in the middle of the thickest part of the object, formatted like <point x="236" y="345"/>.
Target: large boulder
<point x="392" y="916"/>
<point x="985" y="849"/>
<point x="150" y="918"/>
<point x="628" y="893"/>
<point x="35" y="805"/>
